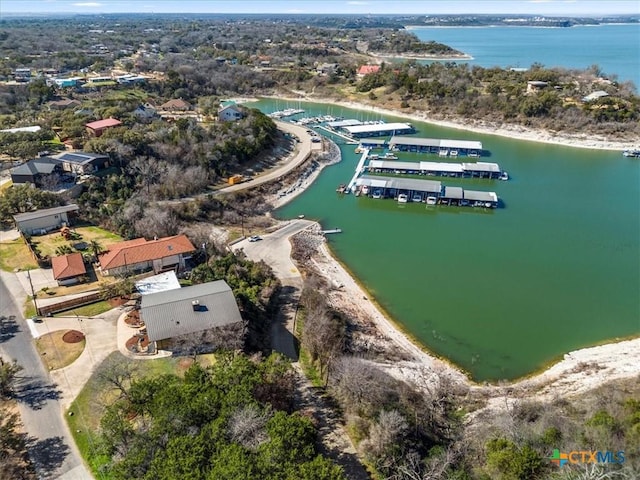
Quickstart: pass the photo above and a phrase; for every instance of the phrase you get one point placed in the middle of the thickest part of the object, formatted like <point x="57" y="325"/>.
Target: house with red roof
<point x="368" y="69"/>
<point x="140" y="255"/>
<point x="97" y="128"/>
<point x="68" y="269"/>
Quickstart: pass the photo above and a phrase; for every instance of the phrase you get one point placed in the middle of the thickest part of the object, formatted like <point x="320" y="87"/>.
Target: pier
<point x="359" y="170"/>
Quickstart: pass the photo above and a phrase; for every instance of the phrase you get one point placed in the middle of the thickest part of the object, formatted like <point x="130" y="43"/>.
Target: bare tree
<point x="247" y="427"/>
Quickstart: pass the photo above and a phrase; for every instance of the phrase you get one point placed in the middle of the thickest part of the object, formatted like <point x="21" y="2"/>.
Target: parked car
<point x="255" y="238"/>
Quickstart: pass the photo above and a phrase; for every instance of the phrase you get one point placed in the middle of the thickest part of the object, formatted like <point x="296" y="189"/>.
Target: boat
<point x="443" y="152"/>
<point x="365" y="189"/>
<point x="390" y="156"/>
<point x="341" y="188"/>
<point x="631" y="153"/>
<point x="473" y="154"/>
<point x="402" y="198"/>
<point x="504" y="176"/>
<point x="453" y="153"/>
<point x="431" y="200"/>
<point x="377" y="193"/>
<point x="417" y="198"/>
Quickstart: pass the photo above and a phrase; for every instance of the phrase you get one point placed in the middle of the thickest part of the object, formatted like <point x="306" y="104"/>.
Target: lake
<point x="614" y="48"/>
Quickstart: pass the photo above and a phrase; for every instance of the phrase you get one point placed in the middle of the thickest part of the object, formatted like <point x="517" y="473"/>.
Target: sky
<point x="423" y="7"/>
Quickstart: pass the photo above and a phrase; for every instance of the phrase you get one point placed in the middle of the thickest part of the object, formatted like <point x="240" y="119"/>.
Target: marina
<point x="438" y="169"/>
<point x="379" y="130"/>
<point x="441" y="147"/>
<point x="427" y="191"/>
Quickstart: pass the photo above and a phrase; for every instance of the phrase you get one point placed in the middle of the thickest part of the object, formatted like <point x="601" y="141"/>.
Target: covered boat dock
<point x="428" y="191"/>
<point x="379" y="129"/>
<point x="441" y="147"/>
<point x="441" y="169"/>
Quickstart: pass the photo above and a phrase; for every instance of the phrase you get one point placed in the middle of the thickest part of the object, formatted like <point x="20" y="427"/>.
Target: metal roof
<point x="400" y="183"/>
<point x="441" y="167"/>
<point x="373" y="141"/>
<point x="21" y="217"/>
<point x="482" y="167"/>
<point x="350" y="122"/>
<point x="158" y="283"/>
<point x="435" y="142"/>
<point x="480" y="196"/>
<point x="378" y="127"/>
<point x="44" y="165"/>
<point x="453" y="192"/>
<point x="189" y="310"/>
<point x="394" y="165"/>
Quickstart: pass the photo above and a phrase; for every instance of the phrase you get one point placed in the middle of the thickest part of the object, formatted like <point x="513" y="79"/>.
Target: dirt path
<point x="335" y="442"/>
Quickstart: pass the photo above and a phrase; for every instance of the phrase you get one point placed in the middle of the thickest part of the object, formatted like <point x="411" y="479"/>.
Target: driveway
<point x="275" y="250"/>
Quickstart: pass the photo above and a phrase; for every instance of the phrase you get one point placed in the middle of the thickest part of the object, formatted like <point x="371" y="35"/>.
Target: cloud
<point x="88" y="4"/>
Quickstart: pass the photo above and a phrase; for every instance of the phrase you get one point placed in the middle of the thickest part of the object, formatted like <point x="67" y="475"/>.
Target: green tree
<point x="8" y="375"/>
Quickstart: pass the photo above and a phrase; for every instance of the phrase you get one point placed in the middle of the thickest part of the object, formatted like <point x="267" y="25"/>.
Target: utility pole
<point x="33" y="293"/>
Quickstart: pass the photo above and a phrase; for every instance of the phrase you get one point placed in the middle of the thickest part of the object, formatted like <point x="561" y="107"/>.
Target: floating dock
<point x="440" y="147"/>
<point x="426" y="191"/>
<point x="333" y="230"/>
<point x="379" y="129"/>
<point x="439" y="169"/>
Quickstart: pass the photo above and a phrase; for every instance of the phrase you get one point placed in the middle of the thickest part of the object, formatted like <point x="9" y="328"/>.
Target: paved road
<point x="51" y="447"/>
<point x="275" y="250"/>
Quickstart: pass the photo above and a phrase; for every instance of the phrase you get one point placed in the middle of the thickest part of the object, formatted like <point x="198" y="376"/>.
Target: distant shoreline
<point x="417" y="56"/>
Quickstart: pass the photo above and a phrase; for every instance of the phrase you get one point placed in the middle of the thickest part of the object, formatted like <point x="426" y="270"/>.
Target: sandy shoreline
<point x="516" y="132"/>
<point x="577" y="372"/>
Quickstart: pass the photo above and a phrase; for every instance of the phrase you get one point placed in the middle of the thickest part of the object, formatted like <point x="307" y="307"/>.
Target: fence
<point x="71" y="303"/>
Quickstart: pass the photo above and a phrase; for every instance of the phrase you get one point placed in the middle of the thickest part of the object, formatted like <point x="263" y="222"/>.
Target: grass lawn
<point x="88" y="310"/>
<point x="48" y="244"/>
<point x="15" y="254"/>
<point x="87" y="409"/>
<point x="55" y="352"/>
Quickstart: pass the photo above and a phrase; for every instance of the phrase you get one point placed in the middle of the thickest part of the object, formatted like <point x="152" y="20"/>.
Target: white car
<point x="255" y="238"/>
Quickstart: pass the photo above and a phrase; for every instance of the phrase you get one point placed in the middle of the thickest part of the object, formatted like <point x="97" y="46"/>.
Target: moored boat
<point x="402" y="198"/>
<point x="631" y="153"/>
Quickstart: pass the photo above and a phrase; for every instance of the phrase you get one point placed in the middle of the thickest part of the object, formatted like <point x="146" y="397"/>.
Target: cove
<point x="500" y="293"/>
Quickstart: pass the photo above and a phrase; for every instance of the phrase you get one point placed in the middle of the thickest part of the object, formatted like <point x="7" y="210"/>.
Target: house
<point x="97" y="128"/>
<point x="175" y="105"/>
<point x="230" y="113"/>
<point x="68" y="269"/>
<point x="36" y="171"/>
<point x="63" y="104"/>
<point x="327" y="68"/>
<point x="197" y="309"/>
<point x="368" y="69"/>
<point x="81" y="163"/>
<point x="145" y="112"/>
<point x="42" y="221"/>
<point x="140" y="255"/>
<point x="534" y="86"/>
<point x="595" y="96"/>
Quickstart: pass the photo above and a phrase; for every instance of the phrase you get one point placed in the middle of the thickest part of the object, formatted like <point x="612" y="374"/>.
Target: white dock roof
<point x="344" y="123"/>
<point x="378" y="127"/>
<point x="435" y="142"/>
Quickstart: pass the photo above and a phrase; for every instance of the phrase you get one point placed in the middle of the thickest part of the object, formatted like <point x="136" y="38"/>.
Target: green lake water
<point x="501" y="293"/>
